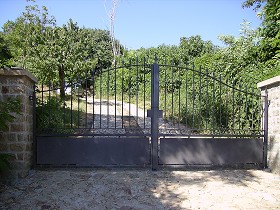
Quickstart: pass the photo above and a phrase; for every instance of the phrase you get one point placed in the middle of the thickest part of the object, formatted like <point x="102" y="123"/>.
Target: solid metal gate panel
<point x="209" y="151"/>
<point x="93" y="151"/>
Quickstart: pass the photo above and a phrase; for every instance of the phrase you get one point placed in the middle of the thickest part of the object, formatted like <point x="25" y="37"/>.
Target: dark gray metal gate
<point x="141" y="114"/>
<point x="96" y="123"/>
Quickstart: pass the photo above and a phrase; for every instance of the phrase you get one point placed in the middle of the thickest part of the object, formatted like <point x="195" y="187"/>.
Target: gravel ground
<point x="143" y="189"/>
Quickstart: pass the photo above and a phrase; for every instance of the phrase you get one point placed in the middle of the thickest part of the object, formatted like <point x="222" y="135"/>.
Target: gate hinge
<point x="30" y="98"/>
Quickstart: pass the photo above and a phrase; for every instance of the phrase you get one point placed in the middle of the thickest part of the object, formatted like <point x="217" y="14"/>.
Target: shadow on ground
<point x="141" y="189"/>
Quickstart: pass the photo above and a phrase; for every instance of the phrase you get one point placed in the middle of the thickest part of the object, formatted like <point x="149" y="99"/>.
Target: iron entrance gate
<point x="141" y="114"/>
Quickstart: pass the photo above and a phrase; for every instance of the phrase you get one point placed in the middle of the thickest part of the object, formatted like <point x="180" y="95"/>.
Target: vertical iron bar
<point x="226" y="109"/>
<point x="239" y="107"/>
<point x="193" y="96"/>
<point x="179" y="96"/>
<point x="86" y="125"/>
<point x="122" y="88"/>
<point x="246" y="106"/>
<point x="34" y="126"/>
<point x="165" y="91"/>
<point x="71" y="113"/>
<point x="56" y="102"/>
<point x="144" y="96"/>
<point x="253" y="111"/>
<point x="172" y="95"/>
<point x="233" y="112"/>
<point x="49" y="102"/>
<point x="155" y="114"/>
<point x="265" y="128"/>
<point x="108" y="98"/>
<point x="260" y="111"/>
<point x="42" y="89"/>
<point x="220" y="103"/>
<point x="56" y="99"/>
<point x="78" y="102"/>
<point x="64" y="111"/>
<point x="207" y="96"/>
<point x="93" y="93"/>
<point x="137" y="88"/>
<point x="115" y="89"/>
<point x="129" y="92"/>
<point x="199" y="113"/>
<point x="187" y="95"/>
<point x="100" y="96"/>
<point x="213" y="103"/>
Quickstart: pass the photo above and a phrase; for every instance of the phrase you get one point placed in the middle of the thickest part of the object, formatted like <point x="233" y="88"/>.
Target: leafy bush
<point x="6" y="109"/>
<point x="53" y="115"/>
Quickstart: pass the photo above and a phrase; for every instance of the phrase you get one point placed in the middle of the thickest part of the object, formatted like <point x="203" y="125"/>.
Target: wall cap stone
<point x="17" y="71"/>
<point x="268" y="82"/>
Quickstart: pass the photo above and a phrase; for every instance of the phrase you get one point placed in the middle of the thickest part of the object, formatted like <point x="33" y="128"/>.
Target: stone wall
<point x="273" y="90"/>
<point x="18" y="139"/>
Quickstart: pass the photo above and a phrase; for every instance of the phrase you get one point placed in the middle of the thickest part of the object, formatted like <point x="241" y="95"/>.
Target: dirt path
<point x="143" y="189"/>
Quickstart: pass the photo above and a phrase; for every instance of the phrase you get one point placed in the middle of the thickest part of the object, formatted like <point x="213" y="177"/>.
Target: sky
<point x="147" y="23"/>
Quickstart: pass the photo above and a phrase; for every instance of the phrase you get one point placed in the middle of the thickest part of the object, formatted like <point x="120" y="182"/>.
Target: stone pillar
<point x="273" y="90"/>
<point x="18" y="139"/>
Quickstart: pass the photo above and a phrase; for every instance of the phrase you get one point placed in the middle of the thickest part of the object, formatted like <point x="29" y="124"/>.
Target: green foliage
<point x="56" y="54"/>
<point x="8" y="110"/>
<point x="5" y="162"/>
<point x="53" y="115"/>
<point x="205" y="104"/>
<point x="269" y="31"/>
<point x="193" y="47"/>
<point x="5" y="54"/>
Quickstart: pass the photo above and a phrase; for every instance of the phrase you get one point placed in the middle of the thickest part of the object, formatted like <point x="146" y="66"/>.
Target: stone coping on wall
<point x="268" y="82"/>
<point x="17" y="71"/>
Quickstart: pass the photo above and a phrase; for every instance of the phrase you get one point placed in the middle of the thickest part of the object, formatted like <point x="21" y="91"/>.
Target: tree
<point x="5" y="54"/>
<point x="56" y="54"/>
<point x="115" y="44"/>
<point x="194" y="46"/>
<point x="270" y="30"/>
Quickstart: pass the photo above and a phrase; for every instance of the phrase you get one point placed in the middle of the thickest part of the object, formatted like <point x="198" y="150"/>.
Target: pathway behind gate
<point x="143" y="189"/>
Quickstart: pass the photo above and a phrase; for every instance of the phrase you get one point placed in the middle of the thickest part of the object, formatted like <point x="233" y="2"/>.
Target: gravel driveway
<point x="143" y="189"/>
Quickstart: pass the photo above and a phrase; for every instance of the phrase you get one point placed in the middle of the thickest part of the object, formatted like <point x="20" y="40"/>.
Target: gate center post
<point x="155" y="115"/>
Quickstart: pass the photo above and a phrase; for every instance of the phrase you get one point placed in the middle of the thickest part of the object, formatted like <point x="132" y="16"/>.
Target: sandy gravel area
<point x="143" y="189"/>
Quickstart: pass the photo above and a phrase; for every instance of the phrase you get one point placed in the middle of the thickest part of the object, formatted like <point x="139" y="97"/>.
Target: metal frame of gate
<point x="150" y="115"/>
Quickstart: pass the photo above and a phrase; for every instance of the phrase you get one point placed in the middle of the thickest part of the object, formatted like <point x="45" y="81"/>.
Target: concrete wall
<point x="273" y="90"/>
<point x="18" y="139"/>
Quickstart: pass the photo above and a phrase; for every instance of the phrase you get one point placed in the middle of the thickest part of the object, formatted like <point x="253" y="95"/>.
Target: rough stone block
<point x="3" y="137"/>
<point x="17" y="147"/>
<point x="17" y="89"/>
<point x="3" y="80"/>
<point x="19" y="156"/>
<point x="29" y="147"/>
<point x="11" y="137"/>
<point x="17" y="164"/>
<point x="17" y="127"/>
<point x="4" y="147"/>
<point x="21" y="137"/>
<point x="28" y="158"/>
<point x="5" y="89"/>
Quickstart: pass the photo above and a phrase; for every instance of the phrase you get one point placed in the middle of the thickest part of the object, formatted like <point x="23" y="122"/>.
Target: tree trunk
<point x="61" y="80"/>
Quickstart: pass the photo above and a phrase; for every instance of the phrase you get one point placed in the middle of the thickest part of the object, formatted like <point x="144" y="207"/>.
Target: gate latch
<point x="160" y="113"/>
